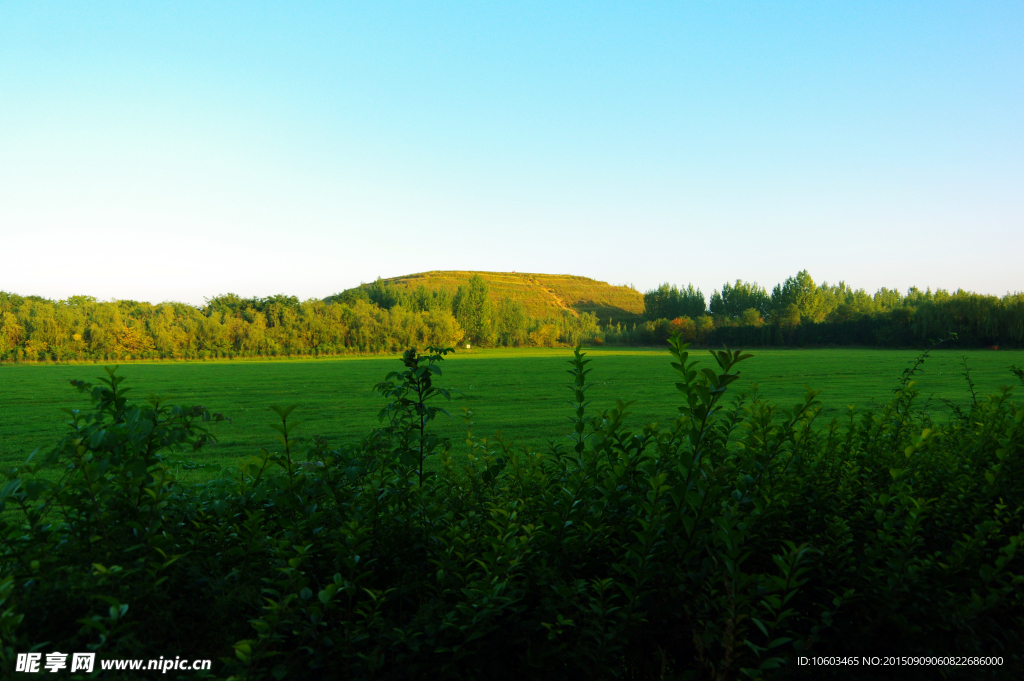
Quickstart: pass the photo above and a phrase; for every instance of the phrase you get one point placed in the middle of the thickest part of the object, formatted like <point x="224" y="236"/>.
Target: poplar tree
<point x="474" y="311"/>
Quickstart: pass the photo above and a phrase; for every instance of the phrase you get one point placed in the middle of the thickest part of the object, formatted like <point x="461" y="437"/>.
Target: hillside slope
<point x="542" y="294"/>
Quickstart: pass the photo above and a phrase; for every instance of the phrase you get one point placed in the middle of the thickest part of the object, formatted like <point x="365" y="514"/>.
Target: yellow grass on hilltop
<point x="542" y="294"/>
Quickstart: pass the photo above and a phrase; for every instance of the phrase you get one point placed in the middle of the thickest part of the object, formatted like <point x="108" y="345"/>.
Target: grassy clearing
<point x="519" y="392"/>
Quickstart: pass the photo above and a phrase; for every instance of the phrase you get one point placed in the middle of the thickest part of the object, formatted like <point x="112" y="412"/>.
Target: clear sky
<point x="171" y="151"/>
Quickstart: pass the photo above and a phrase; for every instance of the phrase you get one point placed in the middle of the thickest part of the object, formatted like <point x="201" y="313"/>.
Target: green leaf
<point x="283" y="411"/>
<point x="9" y="489"/>
<point x="760" y="625"/>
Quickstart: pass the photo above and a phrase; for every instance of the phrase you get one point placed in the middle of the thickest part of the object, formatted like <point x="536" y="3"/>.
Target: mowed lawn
<point x="520" y="392"/>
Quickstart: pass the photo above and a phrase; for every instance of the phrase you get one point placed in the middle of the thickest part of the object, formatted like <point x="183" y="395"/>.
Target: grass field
<point x="521" y="392"/>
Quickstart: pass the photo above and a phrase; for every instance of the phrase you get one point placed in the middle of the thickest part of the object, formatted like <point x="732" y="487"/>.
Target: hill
<point x="542" y="295"/>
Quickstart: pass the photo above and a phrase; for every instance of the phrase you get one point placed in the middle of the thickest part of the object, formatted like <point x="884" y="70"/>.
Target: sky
<point x="176" y="151"/>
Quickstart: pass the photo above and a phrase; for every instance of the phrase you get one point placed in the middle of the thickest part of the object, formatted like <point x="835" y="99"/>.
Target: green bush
<point x="723" y="545"/>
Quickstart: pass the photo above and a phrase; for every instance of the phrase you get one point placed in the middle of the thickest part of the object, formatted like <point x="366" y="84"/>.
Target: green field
<point x="521" y="392"/>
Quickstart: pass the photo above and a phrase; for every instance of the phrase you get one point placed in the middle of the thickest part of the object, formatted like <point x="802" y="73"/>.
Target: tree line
<point x="382" y="317"/>
<point x="371" y="318"/>
<point x="800" y="313"/>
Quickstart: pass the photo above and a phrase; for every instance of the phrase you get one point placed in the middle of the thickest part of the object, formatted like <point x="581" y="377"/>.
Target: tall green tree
<point x="800" y="290"/>
<point x="739" y="297"/>
<point x="474" y="311"/>
<point x="511" y="324"/>
<point x="669" y="302"/>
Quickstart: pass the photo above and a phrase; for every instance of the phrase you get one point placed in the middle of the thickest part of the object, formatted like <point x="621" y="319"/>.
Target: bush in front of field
<point x="722" y="545"/>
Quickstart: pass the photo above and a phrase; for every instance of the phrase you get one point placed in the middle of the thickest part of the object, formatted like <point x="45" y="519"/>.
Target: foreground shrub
<point x="723" y="545"/>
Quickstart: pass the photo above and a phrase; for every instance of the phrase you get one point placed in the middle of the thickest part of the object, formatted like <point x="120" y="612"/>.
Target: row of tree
<point x="799" y="312"/>
<point x="369" y="319"/>
<point x="797" y="299"/>
<point x="380" y="317"/>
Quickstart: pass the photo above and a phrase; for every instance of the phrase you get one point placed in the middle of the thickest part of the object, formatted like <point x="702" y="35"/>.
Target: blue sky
<point x="180" y="150"/>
